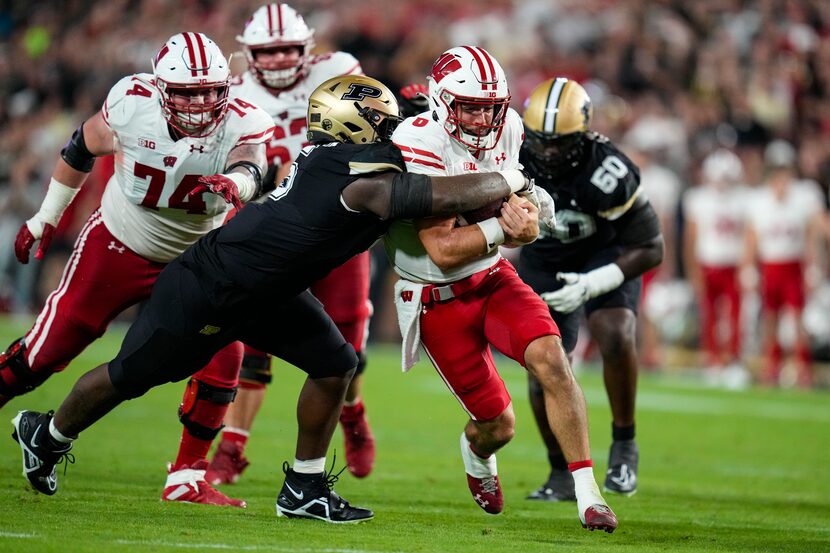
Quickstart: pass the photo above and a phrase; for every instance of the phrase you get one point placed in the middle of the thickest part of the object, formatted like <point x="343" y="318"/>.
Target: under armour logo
<point x="481" y="501"/>
<point x="406" y="295"/>
<point x="501" y="158"/>
<point x="114" y="246"/>
<point x="200" y="149"/>
<point x="169" y="161"/>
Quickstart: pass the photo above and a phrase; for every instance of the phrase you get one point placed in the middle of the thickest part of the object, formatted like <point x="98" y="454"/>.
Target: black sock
<point x="557" y="461"/>
<point x="620" y="433"/>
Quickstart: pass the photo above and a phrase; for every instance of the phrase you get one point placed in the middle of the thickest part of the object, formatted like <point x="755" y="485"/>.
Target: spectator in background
<point x="715" y="213"/>
<point x="785" y="220"/>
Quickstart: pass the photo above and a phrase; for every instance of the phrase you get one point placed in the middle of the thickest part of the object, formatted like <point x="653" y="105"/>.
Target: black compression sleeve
<point x="76" y="154"/>
<point x="411" y="196"/>
<point x="638" y="226"/>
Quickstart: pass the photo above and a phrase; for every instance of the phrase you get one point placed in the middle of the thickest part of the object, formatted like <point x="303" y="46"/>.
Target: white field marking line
<point x="244" y="547"/>
<point x="16" y="535"/>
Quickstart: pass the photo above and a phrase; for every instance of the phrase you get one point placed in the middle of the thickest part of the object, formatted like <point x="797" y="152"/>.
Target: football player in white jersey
<point x="713" y="244"/>
<point x="782" y="238"/>
<point x="458" y="296"/>
<point x="176" y="134"/>
<point x="282" y="74"/>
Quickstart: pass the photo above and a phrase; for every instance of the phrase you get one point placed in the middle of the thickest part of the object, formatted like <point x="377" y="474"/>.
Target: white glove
<point x="539" y="197"/>
<point x="580" y="287"/>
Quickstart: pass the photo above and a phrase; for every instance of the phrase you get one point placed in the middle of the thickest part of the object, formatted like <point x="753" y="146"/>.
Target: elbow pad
<point x="638" y="226"/>
<point x="76" y="154"/>
<point x="411" y="196"/>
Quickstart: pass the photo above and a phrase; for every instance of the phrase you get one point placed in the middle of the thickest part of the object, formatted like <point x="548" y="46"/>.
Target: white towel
<point x="408" y="305"/>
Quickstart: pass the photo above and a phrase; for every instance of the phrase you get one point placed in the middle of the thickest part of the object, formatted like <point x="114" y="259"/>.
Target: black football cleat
<point x="312" y="496"/>
<point x="559" y="487"/>
<point x="621" y="477"/>
<point x="40" y="459"/>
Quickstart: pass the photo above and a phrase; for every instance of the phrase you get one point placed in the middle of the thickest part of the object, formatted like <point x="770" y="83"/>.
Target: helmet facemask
<point x="192" y="118"/>
<point x="476" y="135"/>
<point x="552" y="156"/>
<point x="278" y="74"/>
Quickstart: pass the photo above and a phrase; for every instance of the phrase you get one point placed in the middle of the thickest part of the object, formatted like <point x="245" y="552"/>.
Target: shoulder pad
<point x="379" y="157"/>
<point x="334" y="64"/>
<point x="130" y="94"/>
<point x="248" y="121"/>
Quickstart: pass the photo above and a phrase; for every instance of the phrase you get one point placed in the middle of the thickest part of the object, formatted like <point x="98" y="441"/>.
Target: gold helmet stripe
<point x="552" y="105"/>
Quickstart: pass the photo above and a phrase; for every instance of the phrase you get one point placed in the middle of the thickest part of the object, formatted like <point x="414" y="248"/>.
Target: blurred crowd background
<point x="671" y="81"/>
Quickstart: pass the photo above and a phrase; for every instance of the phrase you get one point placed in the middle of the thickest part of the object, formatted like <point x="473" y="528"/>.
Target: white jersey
<point x="781" y="225"/>
<point x="145" y="204"/>
<point x="289" y="107"/>
<point x="720" y="216"/>
<point x="429" y="150"/>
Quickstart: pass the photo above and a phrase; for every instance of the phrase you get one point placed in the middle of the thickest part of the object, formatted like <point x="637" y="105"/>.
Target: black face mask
<point x="553" y="157"/>
<point x="383" y="123"/>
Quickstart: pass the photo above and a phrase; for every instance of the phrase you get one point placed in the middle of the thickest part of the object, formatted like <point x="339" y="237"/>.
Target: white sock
<point x="474" y="465"/>
<point x="587" y="491"/>
<point x="236" y="431"/>
<point x="57" y="435"/>
<point x="310" y="466"/>
<point x="353" y="402"/>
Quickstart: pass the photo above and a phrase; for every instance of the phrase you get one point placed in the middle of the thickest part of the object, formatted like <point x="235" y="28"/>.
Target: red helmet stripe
<point x="279" y="17"/>
<point x="191" y="53"/>
<point x="202" y="53"/>
<point x="480" y="64"/>
<point x="489" y="61"/>
<point x="270" y="19"/>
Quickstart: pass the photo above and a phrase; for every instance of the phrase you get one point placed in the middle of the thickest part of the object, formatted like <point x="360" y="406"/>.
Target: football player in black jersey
<point x="339" y="198"/>
<point x="606" y="236"/>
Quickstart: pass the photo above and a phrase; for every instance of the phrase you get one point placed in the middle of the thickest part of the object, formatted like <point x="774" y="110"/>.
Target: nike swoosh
<point x="625" y="478"/>
<point x="295" y="494"/>
<point x="33" y="441"/>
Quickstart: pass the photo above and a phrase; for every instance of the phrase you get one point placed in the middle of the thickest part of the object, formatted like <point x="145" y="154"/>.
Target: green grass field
<point x="720" y="471"/>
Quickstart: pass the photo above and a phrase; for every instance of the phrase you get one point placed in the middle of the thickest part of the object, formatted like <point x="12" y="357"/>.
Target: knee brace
<point x="256" y="369"/>
<point x="196" y="393"/>
<point x="16" y="377"/>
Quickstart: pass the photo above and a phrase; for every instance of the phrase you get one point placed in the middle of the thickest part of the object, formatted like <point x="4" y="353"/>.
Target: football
<point x="480" y="214"/>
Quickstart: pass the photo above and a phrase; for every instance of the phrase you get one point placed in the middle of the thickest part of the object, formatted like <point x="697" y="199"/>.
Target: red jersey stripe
<point x="424" y="162"/>
<point x="258" y="135"/>
<point x="418" y="151"/>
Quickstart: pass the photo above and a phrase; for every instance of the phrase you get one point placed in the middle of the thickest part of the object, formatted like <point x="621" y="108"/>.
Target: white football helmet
<point x="190" y="61"/>
<point x="469" y="75"/>
<point x="277" y="26"/>
<point x="722" y="167"/>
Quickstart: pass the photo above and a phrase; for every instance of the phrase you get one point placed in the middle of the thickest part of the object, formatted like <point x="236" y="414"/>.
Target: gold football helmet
<point x="354" y="109"/>
<point x="556" y="117"/>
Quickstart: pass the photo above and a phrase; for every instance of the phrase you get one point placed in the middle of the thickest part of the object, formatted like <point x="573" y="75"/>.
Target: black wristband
<point x="252" y="168"/>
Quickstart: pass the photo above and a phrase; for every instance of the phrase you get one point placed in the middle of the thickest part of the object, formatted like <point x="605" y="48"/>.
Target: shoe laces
<point x="329" y="478"/>
<point x="489" y="485"/>
<point x="64" y="458"/>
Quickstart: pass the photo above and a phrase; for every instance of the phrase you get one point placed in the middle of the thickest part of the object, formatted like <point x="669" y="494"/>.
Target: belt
<point x="445" y="292"/>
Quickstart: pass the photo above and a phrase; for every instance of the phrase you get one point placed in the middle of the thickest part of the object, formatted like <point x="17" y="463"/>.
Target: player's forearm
<point x="635" y="261"/>
<point x="460" y="193"/>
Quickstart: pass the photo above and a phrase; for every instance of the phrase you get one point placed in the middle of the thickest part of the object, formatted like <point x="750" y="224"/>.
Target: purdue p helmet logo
<point x="359" y="91"/>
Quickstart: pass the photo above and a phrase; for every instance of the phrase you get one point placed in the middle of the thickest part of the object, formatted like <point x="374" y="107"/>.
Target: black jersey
<point x="300" y="233"/>
<point x="588" y="199"/>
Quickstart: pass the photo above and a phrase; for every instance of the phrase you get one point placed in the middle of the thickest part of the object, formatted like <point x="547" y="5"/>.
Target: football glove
<point x="581" y="287"/>
<point x="414" y="99"/>
<point x="220" y="185"/>
<point x="539" y="197"/>
<point x="32" y="230"/>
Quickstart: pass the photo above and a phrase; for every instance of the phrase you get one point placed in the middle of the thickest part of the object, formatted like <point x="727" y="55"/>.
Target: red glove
<point x="221" y="185"/>
<point x="25" y="239"/>
<point x="414" y="99"/>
